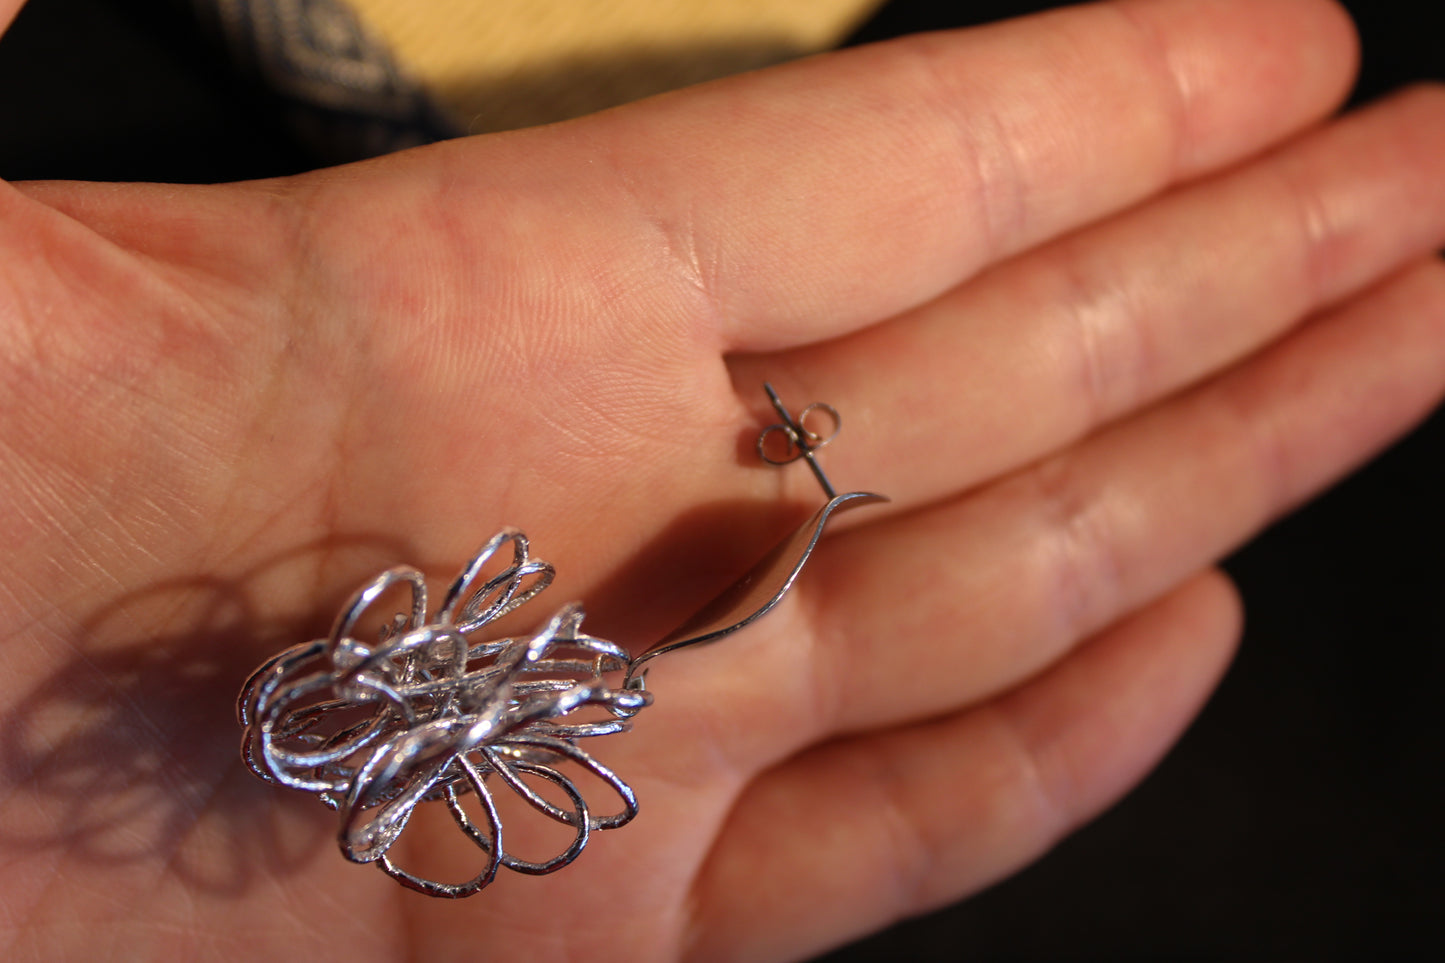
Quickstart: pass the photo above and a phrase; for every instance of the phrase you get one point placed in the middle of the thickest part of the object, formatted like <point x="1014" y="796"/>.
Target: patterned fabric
<point x="364" y="77"/>
<point x="499" y="64"/>
<point x="342" y="92"/>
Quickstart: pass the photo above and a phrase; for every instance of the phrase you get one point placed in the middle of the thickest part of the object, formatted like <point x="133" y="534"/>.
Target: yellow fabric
<point x="499" y="64"/>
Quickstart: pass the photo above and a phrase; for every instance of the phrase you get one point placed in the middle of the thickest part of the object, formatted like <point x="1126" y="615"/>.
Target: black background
<point x="1300" y="817"/>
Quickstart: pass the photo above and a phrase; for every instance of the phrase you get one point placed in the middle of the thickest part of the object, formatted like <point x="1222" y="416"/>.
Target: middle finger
<point x="952" y="604"/>
<point x="1057" y="342"/>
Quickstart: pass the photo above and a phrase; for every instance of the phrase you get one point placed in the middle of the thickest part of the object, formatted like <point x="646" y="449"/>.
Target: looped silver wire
<point x="421" y="715"/>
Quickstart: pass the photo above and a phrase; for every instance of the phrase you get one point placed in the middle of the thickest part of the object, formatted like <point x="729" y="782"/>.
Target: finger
<point x="1113" y="318"/>
<point x="8" y="10"/>
<point x="996" y="586"/>
<point x="856" y="834"/>
<point x="802" y="202"/>
<point x="812" y="199"/>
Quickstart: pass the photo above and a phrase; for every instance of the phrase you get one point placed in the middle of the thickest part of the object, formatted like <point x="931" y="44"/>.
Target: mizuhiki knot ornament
<point x="428" y="711"/>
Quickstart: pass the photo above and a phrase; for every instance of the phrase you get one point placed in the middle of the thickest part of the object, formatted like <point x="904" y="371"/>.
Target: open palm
<point x="1095" y="294"/>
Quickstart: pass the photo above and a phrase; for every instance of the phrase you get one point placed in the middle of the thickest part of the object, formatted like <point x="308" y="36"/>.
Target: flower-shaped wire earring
<point x="422" y="714"/>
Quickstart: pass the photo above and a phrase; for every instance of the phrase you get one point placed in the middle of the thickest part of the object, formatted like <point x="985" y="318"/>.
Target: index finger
<point x="809" y="200"/>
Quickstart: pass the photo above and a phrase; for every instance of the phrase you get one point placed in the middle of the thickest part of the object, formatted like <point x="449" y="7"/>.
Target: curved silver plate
<point x="754" y="595"/>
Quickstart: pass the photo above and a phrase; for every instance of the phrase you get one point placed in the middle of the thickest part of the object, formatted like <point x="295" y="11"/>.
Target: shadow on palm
<point x="128" y="752"/>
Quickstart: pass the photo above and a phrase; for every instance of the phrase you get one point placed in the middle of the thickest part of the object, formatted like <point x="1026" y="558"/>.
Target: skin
<point x="1098" y="294"/>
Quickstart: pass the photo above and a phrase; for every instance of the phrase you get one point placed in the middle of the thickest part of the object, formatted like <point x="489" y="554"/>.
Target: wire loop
<point x="421" y="715"/>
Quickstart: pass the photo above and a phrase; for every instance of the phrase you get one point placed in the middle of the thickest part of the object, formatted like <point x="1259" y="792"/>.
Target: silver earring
<point x="424" y="714"/>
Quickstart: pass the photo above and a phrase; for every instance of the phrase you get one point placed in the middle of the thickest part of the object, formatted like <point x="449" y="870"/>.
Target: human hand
<point x="1081" y="327"/>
